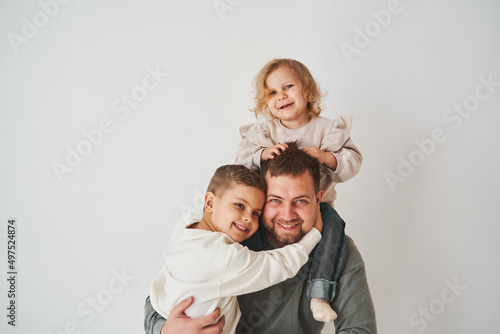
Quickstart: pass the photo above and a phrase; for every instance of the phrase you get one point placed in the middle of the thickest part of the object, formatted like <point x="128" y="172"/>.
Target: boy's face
<point x="237" y="211"/>
<point x="286" y="99"/>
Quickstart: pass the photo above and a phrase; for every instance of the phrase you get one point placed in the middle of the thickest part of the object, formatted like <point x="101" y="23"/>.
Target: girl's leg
<point x="327" y="264"/>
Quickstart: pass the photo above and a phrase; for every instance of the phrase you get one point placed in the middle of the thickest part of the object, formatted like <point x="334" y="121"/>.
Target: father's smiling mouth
<point x="288" y="224"/>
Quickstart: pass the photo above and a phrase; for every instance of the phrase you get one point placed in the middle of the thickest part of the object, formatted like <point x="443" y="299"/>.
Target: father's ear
<point x="209" y="202"/>
<point x="319" y="196"/>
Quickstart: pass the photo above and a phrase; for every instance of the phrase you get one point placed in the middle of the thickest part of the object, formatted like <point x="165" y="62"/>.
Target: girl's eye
<point x="272" y="93"/>
<point x="239" y="205"/>
<point x="288" y="86"/>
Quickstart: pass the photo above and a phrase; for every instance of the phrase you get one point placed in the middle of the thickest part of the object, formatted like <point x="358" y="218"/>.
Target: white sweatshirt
<point x="214" y="269"/>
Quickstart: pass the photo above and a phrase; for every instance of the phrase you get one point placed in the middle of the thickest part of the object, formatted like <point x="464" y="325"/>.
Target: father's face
<point x="291" y="208"/>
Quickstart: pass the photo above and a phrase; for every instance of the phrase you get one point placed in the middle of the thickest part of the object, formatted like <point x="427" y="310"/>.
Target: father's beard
<point x="281" y="238"/>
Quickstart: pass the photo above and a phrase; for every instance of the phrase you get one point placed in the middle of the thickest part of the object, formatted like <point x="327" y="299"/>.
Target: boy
<point x="204" y="258"/>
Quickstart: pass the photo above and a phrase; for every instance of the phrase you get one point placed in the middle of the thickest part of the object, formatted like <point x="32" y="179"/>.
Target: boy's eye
<point x="239" y="205"/>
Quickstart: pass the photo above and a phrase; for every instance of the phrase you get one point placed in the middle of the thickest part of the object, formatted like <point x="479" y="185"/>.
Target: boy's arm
<point x="248" y="271"/>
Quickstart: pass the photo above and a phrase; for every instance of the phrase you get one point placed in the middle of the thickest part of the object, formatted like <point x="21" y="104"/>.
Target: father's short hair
<point x="293" y="161"/>
<point x="228" y="176"/>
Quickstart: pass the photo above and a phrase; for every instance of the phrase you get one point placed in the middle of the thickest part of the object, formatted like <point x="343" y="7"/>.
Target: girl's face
<point x="286" y="100"/>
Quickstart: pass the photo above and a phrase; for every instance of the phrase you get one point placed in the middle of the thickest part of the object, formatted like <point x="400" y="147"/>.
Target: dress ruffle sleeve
<point x="254" y="139"/>
<point x="338" y="142"/>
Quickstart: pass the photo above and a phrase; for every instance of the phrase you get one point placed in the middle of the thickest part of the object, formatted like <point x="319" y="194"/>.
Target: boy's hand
<point x="318" y="224"/>
<point x="273" y="151"/>
<point x="323" y="157"/>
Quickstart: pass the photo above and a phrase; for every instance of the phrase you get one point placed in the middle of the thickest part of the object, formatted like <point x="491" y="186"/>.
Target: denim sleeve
<point x="153" y="322"/>
<point x="356" y="313"/>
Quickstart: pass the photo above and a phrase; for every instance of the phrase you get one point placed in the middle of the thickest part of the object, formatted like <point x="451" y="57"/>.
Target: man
<point x="292" y="201"/>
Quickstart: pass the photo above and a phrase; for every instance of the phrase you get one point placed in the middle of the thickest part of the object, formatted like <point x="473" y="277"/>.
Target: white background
<point x="114" y="212"/>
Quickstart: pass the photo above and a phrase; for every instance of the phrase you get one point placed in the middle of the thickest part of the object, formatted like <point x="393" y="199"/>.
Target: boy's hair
<point x="311" y="91"/>
<point x="292" y="161"/>
<point x="229" y="176"/>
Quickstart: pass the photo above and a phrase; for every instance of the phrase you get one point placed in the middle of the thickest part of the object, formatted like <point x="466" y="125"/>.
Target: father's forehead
<point x="288" y="179"/>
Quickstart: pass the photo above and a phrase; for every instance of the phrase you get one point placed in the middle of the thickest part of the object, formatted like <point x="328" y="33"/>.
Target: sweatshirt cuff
<point x="311" y="239"/>
<point x="256" y="158"/>
<point x="340" y="163"/>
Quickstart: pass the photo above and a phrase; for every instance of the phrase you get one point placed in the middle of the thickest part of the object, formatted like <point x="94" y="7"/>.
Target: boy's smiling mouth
<point x="241" y="227"/>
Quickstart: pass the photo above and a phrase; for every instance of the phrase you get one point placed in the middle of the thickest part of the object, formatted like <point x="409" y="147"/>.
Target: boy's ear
<point x="209" y="201"/>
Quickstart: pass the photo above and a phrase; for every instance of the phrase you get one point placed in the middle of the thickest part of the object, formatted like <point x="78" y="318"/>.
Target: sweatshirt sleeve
<point x="248" y="271"/>
<point x="338" y="142"/>
<point x="353" y="302"/>
<point x="254" y="139"/>
<point x="153" y="321"/>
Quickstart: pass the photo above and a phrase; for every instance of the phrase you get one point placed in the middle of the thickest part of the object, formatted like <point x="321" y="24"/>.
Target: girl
<point x="289" y="97"/>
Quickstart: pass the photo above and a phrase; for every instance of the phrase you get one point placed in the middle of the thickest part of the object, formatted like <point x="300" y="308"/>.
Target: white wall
<point x="430" y="227"/>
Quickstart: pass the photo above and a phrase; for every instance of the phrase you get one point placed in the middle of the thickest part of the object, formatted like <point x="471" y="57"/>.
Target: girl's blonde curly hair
<point x="311" y="91"/>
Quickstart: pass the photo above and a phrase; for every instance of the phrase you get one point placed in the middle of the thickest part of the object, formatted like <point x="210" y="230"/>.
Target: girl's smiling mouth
<point x="286" y="105"/>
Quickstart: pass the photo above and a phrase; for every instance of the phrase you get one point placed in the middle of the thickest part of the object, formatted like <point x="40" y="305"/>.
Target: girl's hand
<point x="273" y="151"/>
<point x="323" y="157"/>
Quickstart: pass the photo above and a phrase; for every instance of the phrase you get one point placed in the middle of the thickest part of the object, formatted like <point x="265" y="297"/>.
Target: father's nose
<point x="288" y="212"/>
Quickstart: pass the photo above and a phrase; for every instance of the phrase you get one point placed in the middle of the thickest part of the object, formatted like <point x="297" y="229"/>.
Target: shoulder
<point x="337" y="123"/>
<point x="257" y="127"/>
<point x="354" y="260"/>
